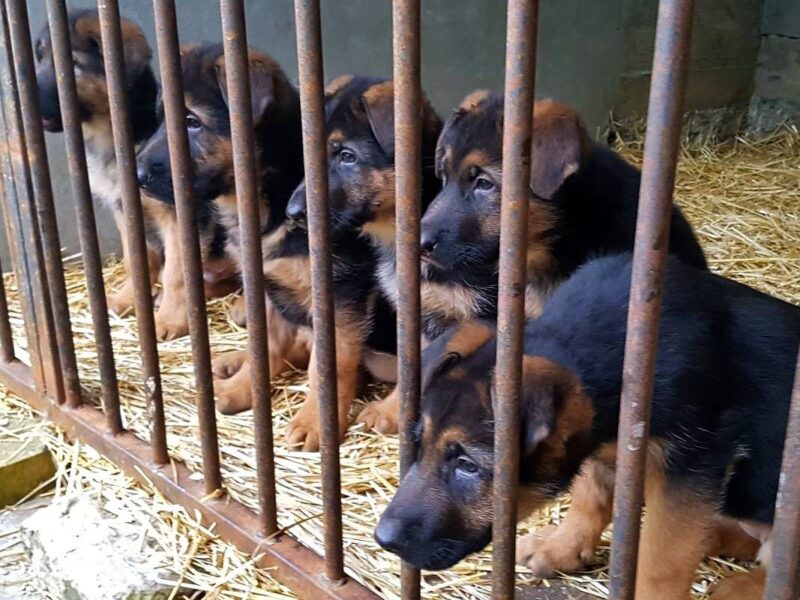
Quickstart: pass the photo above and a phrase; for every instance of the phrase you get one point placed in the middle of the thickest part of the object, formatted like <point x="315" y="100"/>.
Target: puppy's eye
<point x="483" y="184"/>
<point x="348" y="157"/>
<point x="192" y="122"/>
<point x="466" y="465"/>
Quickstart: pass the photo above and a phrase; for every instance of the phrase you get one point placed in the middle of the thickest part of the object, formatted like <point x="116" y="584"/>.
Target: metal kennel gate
<point x="51" y="382"/>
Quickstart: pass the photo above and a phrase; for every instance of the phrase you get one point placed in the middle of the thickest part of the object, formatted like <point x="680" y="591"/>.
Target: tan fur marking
<point x="380" y="187"/>
<point x="474" y="158"/>
<point x="473" y="100"/>
<point x="675" y="535"/>
<point x="303" y="431"/>
<point x="741" y="586"/>
<point x="292" y="273"/>
<point x="336" y="137"/>
<point x="172" y="317"/>
<point x="380" y="92"/>
<point x="469" y="337"/>
<point x="571" y="545"/>
<point x="338" y="84"/>
<point x="456" y="302"/>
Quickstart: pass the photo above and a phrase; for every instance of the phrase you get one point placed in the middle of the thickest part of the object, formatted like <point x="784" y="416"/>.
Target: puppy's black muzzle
<point x="49" y="106"/>
<point x="296" y="211"/>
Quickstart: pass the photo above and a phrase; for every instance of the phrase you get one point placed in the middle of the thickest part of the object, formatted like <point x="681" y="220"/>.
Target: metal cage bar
<point x="664" y="120"/>
<point x="84" y="207"/>
<point x="249" y="207"/>
<point x="6" y="334"/>
<point x="113" y="56"/>
<point x="517" y="127"/>
<point x="182" y="175"/>
<point x="33" y="239"/>
<point x="315" y="157"/>
<point x="408" y="164"/>
<point x="30" y="260"/>
<point x="783" y="580"/>
<point x="8" y="189"/>
<point x="43" y="197"/>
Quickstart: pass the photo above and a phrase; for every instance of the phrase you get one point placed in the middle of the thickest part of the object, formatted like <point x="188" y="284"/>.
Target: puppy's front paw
<point x="228" y="364"/>
<point x="121" y="303"/>
<point x="382" y="416"/>
<point x="233" y="394"/>
<point x="302" y="432"/>
<point x="546" y="551"/>
<point x="171" y="324"/>
<point x="238" y="311"/>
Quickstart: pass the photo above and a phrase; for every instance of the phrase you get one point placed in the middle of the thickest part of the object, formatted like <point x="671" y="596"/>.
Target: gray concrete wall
<point x="725" y="43"/>
<point x="579" y="59"/>
<point x="776" y="97"/>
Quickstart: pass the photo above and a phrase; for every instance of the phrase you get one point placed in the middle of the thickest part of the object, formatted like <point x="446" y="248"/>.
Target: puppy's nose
<point x="391" y="534"/>
<point x="296" y="212"/>
<point x="142" y="175"/>
<point x="428" y="241"/>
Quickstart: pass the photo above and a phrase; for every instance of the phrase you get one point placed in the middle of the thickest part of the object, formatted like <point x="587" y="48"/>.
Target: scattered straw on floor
<point x="195" y="560"/>
<point x="743" y="198"/>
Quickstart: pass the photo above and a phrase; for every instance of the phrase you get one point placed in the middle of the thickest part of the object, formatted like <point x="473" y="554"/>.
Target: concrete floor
<point x="14" y="578"/>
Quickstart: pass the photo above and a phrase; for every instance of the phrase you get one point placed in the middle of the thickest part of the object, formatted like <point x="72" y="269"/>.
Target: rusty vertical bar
<point x="39" y="320"/>
<point x="309" y="59"/>
<point x="84" y="208"/>
<point x="408" y="164"/>
<point x="43" y="197"/>
<point x="113" y="55"/>
<point x="783" y="578"/>
<point x="8" y="201"/>
<point x="248" y="198"/>
<point x="169" y="60"/>
<point x="520" y="78"/>
<point x="665" y="112"/>
<point x="6" y="335"/>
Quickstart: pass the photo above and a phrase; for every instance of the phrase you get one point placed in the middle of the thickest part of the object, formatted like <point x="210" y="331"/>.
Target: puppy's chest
<point x="104" y="179"/>
<point x="387" y="278"/>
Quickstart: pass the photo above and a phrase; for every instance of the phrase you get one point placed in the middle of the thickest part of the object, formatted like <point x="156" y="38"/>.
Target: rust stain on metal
<point x="519" y="91"/>
<point x="665" y="112"/>
<point x="249" y="205"/>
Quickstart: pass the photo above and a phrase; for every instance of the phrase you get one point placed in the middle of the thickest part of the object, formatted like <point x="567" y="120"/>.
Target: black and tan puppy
<point x="717" y="427"/>
<point x="276" y="124"/>
<point x="361" y="176"/>
<point x="360" y="133"/>
<point x="142" y="90"/>
<point x="583" y="203"/>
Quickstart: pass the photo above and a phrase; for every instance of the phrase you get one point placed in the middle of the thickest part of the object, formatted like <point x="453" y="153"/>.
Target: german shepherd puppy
<point x="583" y="203"/>
<point x="276" y="123"/>
<point x="359" y="127"/>
<point x="717" y="428"/>
<point x="276" y="115"/>
<point x="360" y="114"/>
<point x="142" y="90"/>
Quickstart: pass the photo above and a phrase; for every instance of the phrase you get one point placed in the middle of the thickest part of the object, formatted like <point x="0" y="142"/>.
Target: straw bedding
<point x="742" y="196"/>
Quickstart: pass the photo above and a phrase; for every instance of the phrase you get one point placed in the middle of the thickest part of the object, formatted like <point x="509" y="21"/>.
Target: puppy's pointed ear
<point x="378" y="103"/>
<point x="442" y="143"/>
<point x="554" y="406"/>
<point x="136" y="51"/>
<point x="337" y="85"/>
<point x="262" y="82"/>
<point x="437" y="359"/>
<point x="459" y="342"/>
<point x="560" y="144"/>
